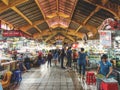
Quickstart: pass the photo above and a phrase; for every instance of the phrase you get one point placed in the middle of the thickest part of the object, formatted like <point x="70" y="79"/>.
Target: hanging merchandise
<point x="110" y="24"/>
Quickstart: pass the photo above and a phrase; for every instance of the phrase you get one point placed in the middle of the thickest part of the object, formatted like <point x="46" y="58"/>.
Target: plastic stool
<point x="17" y="76"/>
<point x="27" y="65"/>
<point x="90" y="78"/>
<point x="108" y="86"/>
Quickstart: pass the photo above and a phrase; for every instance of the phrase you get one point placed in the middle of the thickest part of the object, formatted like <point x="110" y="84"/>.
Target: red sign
<point x="15" y="33"/>
<point x="11" y="33"/>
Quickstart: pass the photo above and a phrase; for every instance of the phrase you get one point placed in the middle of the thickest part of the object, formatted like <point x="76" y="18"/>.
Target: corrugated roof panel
<point x="32" y="31"/>
<point x="43" y="26"/>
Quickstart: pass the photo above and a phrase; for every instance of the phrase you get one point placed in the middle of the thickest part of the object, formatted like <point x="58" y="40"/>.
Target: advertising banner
<point x="14" y="33"/>
<point x="105" y="38"/>
<point x="11" y="33"/>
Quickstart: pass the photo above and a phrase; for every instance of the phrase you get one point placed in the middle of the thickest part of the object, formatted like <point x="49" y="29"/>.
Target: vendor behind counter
<point x="104" y="66"/>
<point x="104" y="70"/>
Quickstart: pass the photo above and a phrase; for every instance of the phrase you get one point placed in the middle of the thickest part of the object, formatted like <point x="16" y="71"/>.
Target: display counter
<point x="8" y="65"/>
<point x="5" y="58"/>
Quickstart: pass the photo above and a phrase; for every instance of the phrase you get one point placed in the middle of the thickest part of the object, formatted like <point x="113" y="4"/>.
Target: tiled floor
<point x="49" y="78"/>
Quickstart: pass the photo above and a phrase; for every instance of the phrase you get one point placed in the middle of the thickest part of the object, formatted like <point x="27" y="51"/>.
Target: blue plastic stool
<point x="18" y="76"/>
<point x="38" y="62"/>
<point x="21" y="66"/>
<point x="27" y="65"/>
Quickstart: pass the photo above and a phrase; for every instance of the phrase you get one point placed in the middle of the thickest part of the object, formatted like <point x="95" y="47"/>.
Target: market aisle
<point x="52" y="78"/>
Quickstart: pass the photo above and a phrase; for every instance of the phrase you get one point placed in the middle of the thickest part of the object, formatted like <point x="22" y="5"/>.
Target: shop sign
<point x="105" y="38"/>
<point x="14" y="33"/>
<point x="11" y="33"/>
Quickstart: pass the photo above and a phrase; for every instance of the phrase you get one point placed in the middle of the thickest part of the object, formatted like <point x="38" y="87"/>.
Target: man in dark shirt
<point x="62" y="55"/>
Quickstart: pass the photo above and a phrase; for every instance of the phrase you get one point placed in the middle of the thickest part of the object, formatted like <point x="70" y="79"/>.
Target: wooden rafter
<point x="4" y="7"/>
<point x="47" y="32"/>
<point x="75" y="3"/>
<point x="49" y="37"/>
<point x="6" y="2"/>
<point x="55" y="33"/>
<point x="86" y="20"/>
<point x="104" y="2"/>
<point x="52" y="15"/>
<point x="42" y="12"/>
<point x="57" y="4"/>
<point x="34" y="24"/>
<point x="69" y="37"/>
<point x="37" y="28"/>
<point x="23" y="16"/>
<point x="27" y="27"/>
<point x="103" y="7"/>
<point x="90" y="28"/>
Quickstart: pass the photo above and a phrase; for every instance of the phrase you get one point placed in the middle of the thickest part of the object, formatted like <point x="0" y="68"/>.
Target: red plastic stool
<point x="108" y="86"/>
<point x="90" y="78"/>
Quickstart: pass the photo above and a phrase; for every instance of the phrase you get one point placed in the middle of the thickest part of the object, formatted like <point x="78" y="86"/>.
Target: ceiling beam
<point x="27" y="27"/>
<point x="23" y="16"/>
<point x="104" y="2"/>
<point x="55" y="33"/>
<point x="6" y="2"/>
<point x="37" y="29"/>
<point x="57" y="4"/>
<point x="52" y="15"/>
<point x="44" y="33"/>
<point x="71" y="32"/>
<point x="69" y="37"/>
<point x="90" y="28"/>
<point x="4" y="7"/>
<point x="47" y="32"/>
<point x="40" y="8"/>
<point x="37" y="2"/>
<point x="34" y="24"/>
<point x="87" y="19"/>
<point x="73" y="9"/>
<point x="103" y="7"/>
<point x="51" y="41"/>
<point x="50" y="37"/>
